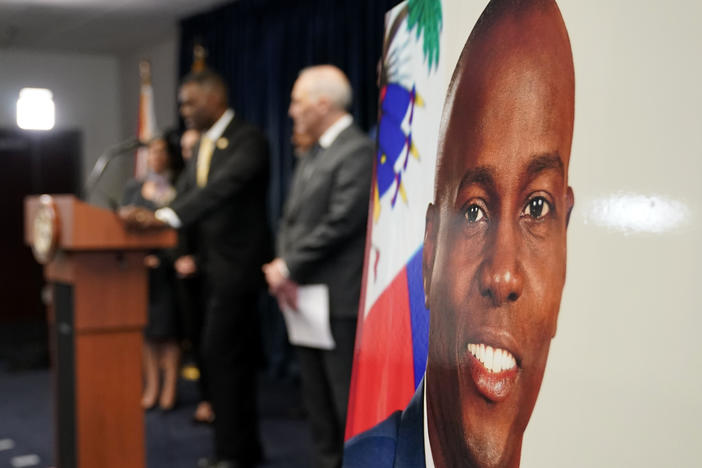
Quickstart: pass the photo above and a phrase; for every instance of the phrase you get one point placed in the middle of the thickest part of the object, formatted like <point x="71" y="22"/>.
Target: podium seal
<point x="45" y="230"/>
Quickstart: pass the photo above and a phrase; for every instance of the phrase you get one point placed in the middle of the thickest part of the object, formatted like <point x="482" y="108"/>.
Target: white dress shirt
<point x="166" y="214"/>
<point x="328" y="137"/>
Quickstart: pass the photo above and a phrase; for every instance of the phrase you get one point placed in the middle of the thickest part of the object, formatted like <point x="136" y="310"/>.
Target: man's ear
<point x="428" y="252"/>
<point x="570" y="202"/>
<point x="324" y="105"/>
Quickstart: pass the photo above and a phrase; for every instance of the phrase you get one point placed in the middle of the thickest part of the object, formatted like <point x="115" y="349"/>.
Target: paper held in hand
<point x="309" y="324"/>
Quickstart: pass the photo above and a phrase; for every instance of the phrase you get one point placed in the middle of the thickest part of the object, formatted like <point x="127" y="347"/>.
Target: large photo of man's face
<point x="494" y="261"/>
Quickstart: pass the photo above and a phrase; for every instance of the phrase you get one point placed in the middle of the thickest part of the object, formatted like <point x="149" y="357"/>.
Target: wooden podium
<point x="99" y="284"/>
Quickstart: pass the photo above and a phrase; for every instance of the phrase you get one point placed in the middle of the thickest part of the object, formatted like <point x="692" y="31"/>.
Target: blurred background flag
<point x="146" y="122"/>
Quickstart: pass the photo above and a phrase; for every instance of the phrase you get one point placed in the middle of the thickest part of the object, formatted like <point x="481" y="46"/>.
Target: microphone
<point x="129" y="144"/>
<point x="106" y="158"/>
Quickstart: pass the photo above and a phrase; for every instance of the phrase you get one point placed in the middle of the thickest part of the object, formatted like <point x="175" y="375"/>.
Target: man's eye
<point x="474" y="214"/>
<point x="536" y="208"/>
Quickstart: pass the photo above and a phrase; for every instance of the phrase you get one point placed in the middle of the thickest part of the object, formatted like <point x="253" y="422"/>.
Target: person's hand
<point x="127" y="213"/>
<point x="137" y="217"/>
<point x="185" y="266"/>
<point x="148" y="190"/>
<point x="152" y="261"/>
<point x="283" y="288"/>
<point x="287" y="295"/>
<point x="274" y="275"/>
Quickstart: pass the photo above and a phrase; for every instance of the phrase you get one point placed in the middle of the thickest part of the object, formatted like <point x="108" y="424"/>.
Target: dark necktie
<point x="310" y="161"/>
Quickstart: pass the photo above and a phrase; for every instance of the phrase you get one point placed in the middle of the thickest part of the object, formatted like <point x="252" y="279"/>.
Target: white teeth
<point x="493" y="359"/>
<point x="506" y="360"/>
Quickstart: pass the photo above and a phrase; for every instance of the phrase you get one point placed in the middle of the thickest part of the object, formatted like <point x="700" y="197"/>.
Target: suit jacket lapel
<point x="322" y="155"/>
<point x="300" y="183"/>
<point x="410" y="435"/>
<point x="218" y="155"/>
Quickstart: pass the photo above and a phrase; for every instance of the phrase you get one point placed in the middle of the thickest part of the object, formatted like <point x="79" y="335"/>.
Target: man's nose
<point x="501" y="273"/>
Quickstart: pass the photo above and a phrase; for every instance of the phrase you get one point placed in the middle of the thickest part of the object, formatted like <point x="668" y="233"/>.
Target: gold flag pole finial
<point x="199" y="56"/>
<point x="145" y="71"/>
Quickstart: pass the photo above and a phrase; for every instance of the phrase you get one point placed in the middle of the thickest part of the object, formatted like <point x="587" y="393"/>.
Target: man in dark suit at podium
<point x="223" y="196"/>
<point x="322" y="241"/>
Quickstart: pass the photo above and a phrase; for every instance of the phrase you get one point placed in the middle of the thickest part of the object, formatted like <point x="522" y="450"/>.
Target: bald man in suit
<point x="322" y="241"/>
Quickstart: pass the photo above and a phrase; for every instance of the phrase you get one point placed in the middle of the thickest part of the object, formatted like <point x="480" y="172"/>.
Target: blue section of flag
<point x="396" y="101"/>
<point x="391" y="142"/>
<point x="419" y="316"/>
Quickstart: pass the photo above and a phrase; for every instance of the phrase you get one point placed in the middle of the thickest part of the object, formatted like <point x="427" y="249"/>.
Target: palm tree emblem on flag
<point x="398" y="101"/>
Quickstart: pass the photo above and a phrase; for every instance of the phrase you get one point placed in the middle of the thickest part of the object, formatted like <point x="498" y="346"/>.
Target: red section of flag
<point x="383" y="365"/>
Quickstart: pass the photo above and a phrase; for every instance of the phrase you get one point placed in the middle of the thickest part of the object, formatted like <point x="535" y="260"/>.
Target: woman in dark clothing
<point x="161" y="349"/>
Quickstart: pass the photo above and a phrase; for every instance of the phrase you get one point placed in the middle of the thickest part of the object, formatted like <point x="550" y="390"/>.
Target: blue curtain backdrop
<point x="259" y="46"/>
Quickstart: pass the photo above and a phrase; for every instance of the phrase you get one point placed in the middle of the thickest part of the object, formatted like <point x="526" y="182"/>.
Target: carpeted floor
<point x="26" y="431"/>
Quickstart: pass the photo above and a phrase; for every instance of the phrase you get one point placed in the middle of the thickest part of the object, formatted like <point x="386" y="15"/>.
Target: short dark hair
<point x="208" y="79"/>
<point x="175" y="157"/>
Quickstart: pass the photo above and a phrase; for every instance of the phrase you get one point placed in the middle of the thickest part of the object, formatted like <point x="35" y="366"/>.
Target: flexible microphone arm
<point x="105" y="159"/>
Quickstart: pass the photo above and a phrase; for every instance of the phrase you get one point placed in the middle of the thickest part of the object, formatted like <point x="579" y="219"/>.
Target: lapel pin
<point x="222" y="143"/>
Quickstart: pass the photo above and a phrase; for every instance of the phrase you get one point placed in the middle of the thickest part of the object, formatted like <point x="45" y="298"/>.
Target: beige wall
<point x="85" y="88"/>
<point x="623" y="386"/>
<point x="97" y="94"/>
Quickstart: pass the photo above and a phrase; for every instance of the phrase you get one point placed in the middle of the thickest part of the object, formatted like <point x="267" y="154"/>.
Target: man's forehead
<point x="513" y="118"/>
<point x="303" y="84"/>
<point x="495" y="76"/>
<point x="502" y="153"/>
<point x="189" y="89"/>
<point x="509" y="101"/>
<point x="297" y="87"/>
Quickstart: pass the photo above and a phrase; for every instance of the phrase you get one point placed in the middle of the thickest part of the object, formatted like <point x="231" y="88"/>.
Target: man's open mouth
<point x="493" y="359"/>
<point x="493" y="370"/>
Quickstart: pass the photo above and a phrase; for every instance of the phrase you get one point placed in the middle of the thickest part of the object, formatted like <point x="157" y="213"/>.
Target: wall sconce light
<point x="36" y="109"/>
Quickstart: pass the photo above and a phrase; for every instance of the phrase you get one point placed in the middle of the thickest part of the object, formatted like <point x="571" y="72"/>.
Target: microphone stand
<point x="105" y="159"/>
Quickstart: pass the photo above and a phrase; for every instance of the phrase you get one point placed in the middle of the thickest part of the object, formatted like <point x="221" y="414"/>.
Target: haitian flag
<point x="393" y="326"/>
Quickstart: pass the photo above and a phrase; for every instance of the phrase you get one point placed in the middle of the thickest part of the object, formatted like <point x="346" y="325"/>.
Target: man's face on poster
<point x="495" y="243"/>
